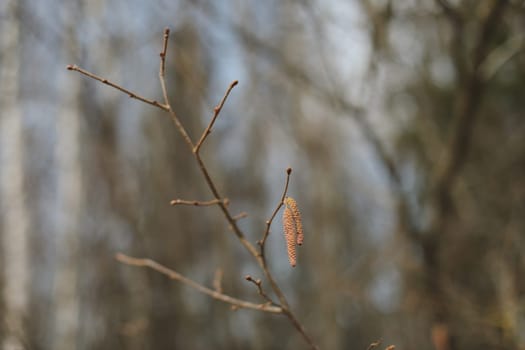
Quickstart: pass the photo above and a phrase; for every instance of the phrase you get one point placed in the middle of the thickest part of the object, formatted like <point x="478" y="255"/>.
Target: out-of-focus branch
<point x="128" y="260"/>
<point x="241" y="215"/>
<point x="469" y="103"/>
<point x="497" y="58"/>
<point x="355" y="112"/>
<point x="449" y="10"/>
<point x="375" y="344"/>
<point x="457" y="21"/>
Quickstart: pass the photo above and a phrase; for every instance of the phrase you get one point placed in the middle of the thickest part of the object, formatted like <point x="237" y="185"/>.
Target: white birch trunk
<point x="70" y="203"/>
<point x="14" y="207"/>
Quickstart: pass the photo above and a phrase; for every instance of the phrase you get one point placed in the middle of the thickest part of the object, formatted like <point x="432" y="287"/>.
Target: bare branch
<point x="375" y="344"/>
<point x="449" y="10"/>
<point x="162" y="68"/>
<point x="217" y="280"/>
<point x="283" y="308"/>
<point x="128" y="260"/>
<point x="131" y="94"/>
<point x="279" y="205"/>
<point x="262" y="254"/>
<point x="162" y="73"/>
<point x="469" y="103"/>
<point x="241" y="215"/>
<point x="216" y="112"/>
<point x="225" y="201"/>
<point x="258" y="284"/>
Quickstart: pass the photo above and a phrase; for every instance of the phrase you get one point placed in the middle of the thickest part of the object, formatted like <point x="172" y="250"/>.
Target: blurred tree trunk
<point x="15" y="213"/>
<point x="71" y="195"/>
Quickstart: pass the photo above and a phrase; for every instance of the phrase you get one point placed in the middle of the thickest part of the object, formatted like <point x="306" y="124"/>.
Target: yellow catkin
<point x="292" y="204"/>
<point x="289" y="235"/>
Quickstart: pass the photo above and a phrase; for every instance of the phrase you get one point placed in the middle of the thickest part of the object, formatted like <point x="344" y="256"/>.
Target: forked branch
<point x="258" y="255"/>
<point x="174" y="275"/>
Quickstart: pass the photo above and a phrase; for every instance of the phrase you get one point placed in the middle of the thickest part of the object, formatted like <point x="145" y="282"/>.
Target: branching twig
<point x="128" y="260"/>
<point x="258" y="284"/>
<point x="470" y="103"/>
<point x="262" y="242"/>
<point x="259" y="256"/>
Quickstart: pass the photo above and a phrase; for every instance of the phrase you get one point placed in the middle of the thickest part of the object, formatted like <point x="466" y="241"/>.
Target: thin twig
<point x="217" y="280"/>
<point x="162" y="78"/>
<point x="279" y="205"/>
<point x="211" y="184"/>
<point x="262" y="253"/>
<point x="162" y="68"/>
<point x="216" y="112"/>
<point x="374" y="344"/>
<point x="128" y="260"/>
<point x="241" y="215"/>
<point x="258" y="284"/>
<point x="295" y="322"/>
<point x="131" y="94"/>
<point x="199" y="203"/>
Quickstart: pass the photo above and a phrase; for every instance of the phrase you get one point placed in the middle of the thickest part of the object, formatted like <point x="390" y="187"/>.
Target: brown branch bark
<point x="219" y="200"/>
<point x="198" y="203"/>
<point x="131" y="94"/>
<point x="174" y="275"/>
<point x="216" y="112"/>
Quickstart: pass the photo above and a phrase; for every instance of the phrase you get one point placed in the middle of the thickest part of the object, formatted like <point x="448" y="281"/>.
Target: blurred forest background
<point x="404" y="122"/>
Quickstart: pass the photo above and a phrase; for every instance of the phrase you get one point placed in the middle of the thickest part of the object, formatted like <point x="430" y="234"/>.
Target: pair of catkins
<point x="293" y="228"/>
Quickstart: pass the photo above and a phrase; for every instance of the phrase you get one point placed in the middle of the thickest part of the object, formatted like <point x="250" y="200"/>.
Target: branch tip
<point x="289" y="171"/>
<point x="70" y="67"/>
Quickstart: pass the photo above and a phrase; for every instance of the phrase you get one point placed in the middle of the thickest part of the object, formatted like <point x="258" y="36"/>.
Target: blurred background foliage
<point x="404" y="124"/>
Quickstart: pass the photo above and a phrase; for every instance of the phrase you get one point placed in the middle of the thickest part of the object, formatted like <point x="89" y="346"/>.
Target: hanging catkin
<point x="292" y="204"/>
<point x="289" y="235"/>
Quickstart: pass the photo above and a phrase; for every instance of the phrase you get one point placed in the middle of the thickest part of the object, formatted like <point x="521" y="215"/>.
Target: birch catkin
<point x="289" y="235"/>
<point x="292" y="204"/>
